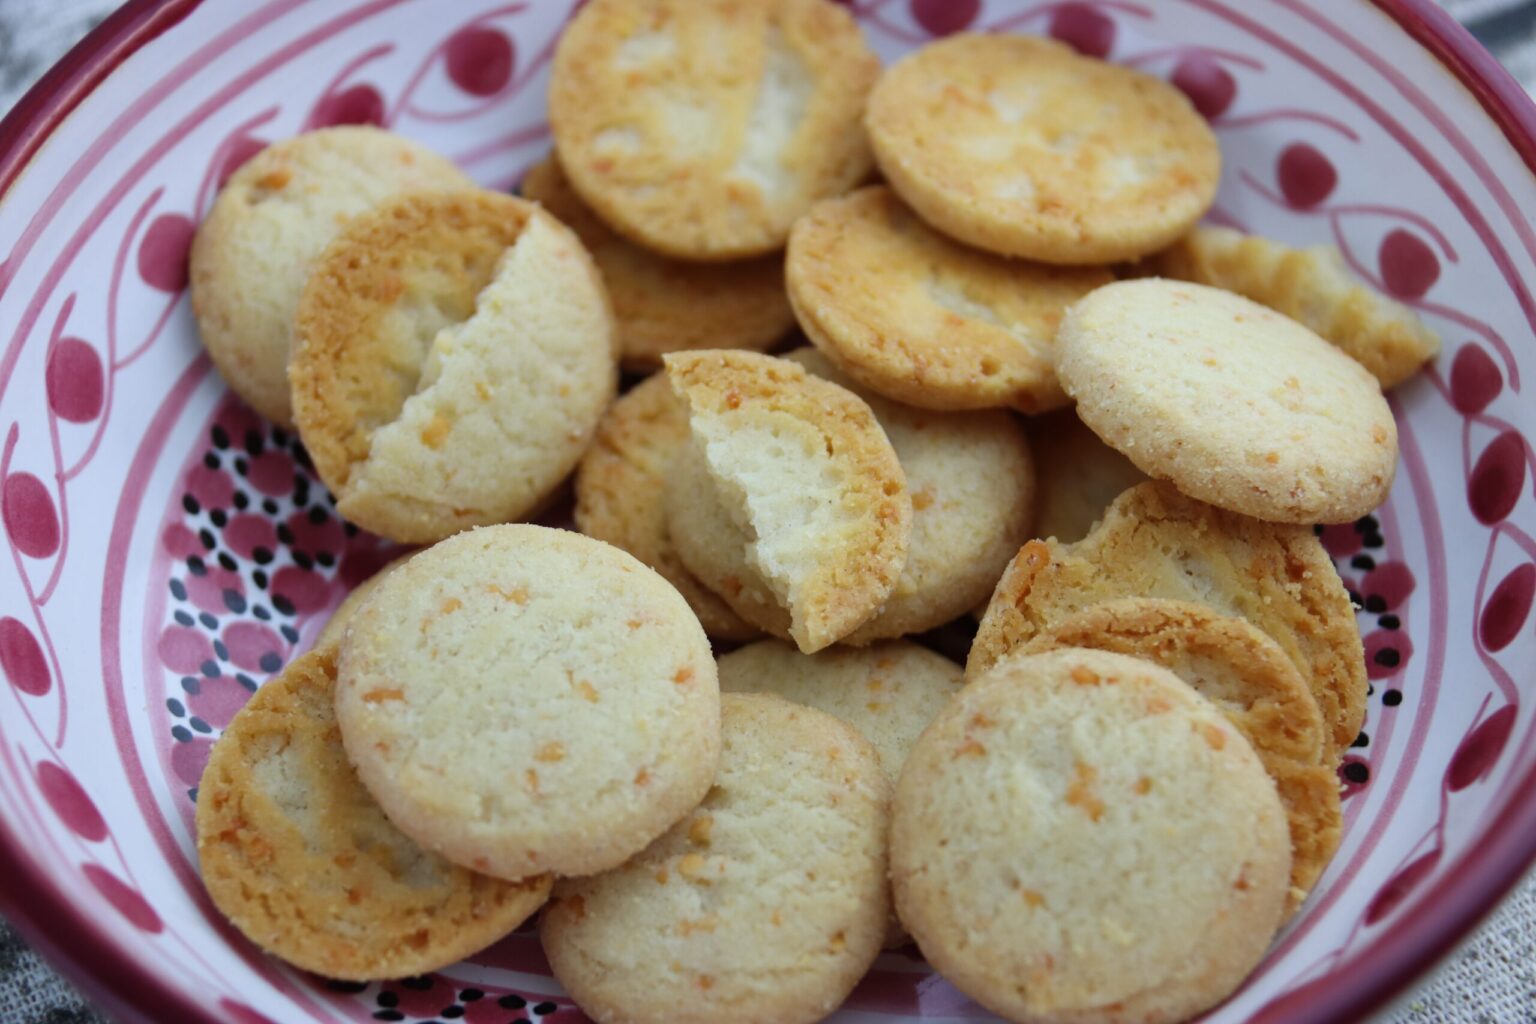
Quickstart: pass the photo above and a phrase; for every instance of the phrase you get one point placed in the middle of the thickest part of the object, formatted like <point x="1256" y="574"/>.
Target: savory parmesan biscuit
<point x="789" y="500"/>
<point x="454" y="353"/>
<point x="888" y="691"/>
<point x="336" y="625"/>
<point x="1076" y="476"/>
<point x="301" y="859"/>
<point x="1156" y="542"/>
<point x="912" y="315"/>
<point x="1234" y="403"/>
<point x="270" y="222"/>
<point x="1244" y="673"/>
<point x="765" y="905"/>
<point x="703" y="128"/>
<point x="1080" y="837"/>
<point x="972" y="484"/>
<point x="522" y="699"/>
<point x="1312" y="286"/>
<point x="662" y="305"/>
<point x="621" y="494"/>
<point x="1018" y="145"/>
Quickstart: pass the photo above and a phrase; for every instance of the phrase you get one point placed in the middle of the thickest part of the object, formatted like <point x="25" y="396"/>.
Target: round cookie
<point x="301" y="859"/>
<point x="454" y="354"/>
<point x="888" y="691"/>
<point x="702" y="129"/>
<point x="522" y="699"/>
<point x="1314" y="286"/>
<point x="270" y="222"/>
<point x="789" y="501"/>
<point x="766" y="905"/>
<point x="621" y="494"/>
<point x="336" y="625"/>
<point x="972" y="483"/>
<point x="1234" y="403"/>
<point x="1245" y="674"/>
<point x="1080" y="837"/>
<point x="1155" y="542"/>
<point x="919" y="318"/>
<point x="662" y="305"/>
<point x="1077" y="476"/>
<point x="1020" y="146"/>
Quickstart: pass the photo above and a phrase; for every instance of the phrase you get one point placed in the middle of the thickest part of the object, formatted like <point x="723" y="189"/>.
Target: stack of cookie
<point x="1105" y="814"/>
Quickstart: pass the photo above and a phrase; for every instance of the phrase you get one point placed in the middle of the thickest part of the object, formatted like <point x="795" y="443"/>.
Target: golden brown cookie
<point x="662" y="305"/>
<point x="454" y="353"/>
<point x="1077" y="476"/>
<point x="703" y="128"/>
<point x="765" y="905"/>
<point x="621" y="494"/>
<point x="789" y="500"/>
<point x="1234" y="403"/>
<point x="912" y="315"/>
<point x="1018" y="145"/>
<point x="270" y="222"/>
<point x="1156" y="542"/>
<point x="1313" y="286"/>
<point x="301" y="859"/>
<point x="1244" y="673"/>
<point x="1080" y="837"/>
<point x="973" y="486"/>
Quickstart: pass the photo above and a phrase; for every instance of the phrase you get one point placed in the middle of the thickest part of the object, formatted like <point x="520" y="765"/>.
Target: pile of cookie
<point x="1106" y="814"/>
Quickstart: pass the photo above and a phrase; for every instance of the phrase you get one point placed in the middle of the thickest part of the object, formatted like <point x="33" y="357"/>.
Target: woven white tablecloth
<point x="1492" y="980"/>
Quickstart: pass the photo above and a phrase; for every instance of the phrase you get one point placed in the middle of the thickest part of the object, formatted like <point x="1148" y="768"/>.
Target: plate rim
<point x="1448" y="910"/>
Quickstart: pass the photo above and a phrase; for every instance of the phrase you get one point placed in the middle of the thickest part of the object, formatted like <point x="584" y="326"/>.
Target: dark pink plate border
<point x="1447" y="912"/>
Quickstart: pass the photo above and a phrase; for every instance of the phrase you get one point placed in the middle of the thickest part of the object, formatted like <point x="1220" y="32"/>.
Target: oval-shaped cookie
<point x="1018" y="145"/>
<point x="1311" y="285"/>
<point x="1079" y="836"/>
<point x="972" y="484"/>
<point x="789" y="501"/>
<point x="621" y="494"/>
<point x="703" y="128"/>
<point x="1155" y="542"/>
<point x="1234" y="403"/>
<point x="269" y="224"/>
<point x="302" y="860"/>
<point x="765" y="905"/>
<point x="522" y="699"/>
<point x="454" y="353"/>
<point x="1244" y="673"/>
<point x="662" y="305"/>
<point x="914" y="316"/>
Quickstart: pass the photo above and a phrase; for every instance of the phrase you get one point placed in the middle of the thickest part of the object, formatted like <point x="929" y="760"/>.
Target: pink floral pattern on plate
<point x="169" y="551"/>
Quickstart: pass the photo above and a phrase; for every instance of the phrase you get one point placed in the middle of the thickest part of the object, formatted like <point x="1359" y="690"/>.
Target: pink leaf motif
<point x="1086" y="30"/>
<point x="70" y="801"/>
<point x="163" y="252"/>
<point x="480" y="60"/>
<point x="1409" y="268"/>
<point x="1392" y="582"/>
<point x="124" y="900"/>
<point x="74" y="381"/>
<point x="21" y="656"/>
<point x="944" y="17"/>
<point x="1400" y="885"/>
<point x="1507" y="608"/>
<point x="1306" y="176"/>
<point x="1497" y="478"/>
<point x="1480" y="749"/>
<point x="359" y="104"/>
<point x="28" y="512"/>
<point x="1209" y="86"/>
<point x="1475" y="380"/>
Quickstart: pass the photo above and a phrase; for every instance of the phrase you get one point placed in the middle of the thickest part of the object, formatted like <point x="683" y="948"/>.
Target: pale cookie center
<point x="777" y="479"/>
<point x="783" y="98"/>
<point x="955" y="300"/>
